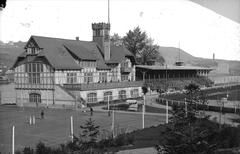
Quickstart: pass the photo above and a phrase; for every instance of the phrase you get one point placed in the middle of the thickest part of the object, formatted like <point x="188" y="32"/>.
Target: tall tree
<point x="149" y="54"/>
<point x="116" y="39"/>
<point x="134" y="40"/>
<point x="142" y="47"/>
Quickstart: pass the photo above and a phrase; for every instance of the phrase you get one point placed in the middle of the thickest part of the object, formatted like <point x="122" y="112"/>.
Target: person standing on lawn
<point x="42" y="115"/>
<point x="91" y="110"/>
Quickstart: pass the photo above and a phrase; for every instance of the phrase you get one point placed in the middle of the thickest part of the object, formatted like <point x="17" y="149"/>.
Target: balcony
<point x="126" y="69"/>
<point x="108" y="85"/>
<point x="33" y="86"/>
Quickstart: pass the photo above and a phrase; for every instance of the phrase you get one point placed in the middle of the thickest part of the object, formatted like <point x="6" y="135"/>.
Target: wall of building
<point x="60" y="95"/>
<point x="225" y="79"/>
<point x="22" y="96"/>
<point x="63" y="96"/>
<point x="115" y="93"/>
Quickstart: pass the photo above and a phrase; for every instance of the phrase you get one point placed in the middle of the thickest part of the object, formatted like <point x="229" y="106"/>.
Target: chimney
<point x="213" y="56"/>
<point x="77" y="38"/>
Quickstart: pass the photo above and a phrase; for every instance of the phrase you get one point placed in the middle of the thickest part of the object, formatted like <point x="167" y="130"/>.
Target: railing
<point x="126" y="69"/>
<point x="108" y="85"/>
<point x="33" y="86"/>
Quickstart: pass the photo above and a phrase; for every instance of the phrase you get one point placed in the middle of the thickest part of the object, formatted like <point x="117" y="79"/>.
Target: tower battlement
<point x="100" y="25"/>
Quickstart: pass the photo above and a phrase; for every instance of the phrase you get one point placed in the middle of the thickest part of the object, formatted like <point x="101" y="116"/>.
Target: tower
<point x="101" y="33"/>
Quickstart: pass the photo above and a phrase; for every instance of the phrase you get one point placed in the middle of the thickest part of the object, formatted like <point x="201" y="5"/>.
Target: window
<point x="92" y="97"/>
<point x="71" y="77"/>
<point x="87" y="63"/>
<point x="106" y="95"/>
<point x="88" y="77"/>
<point x="124" y="77"/>
<point x="103" y="76"/>
<point x="124" y="63"/>
<point x="34" y="98"/>
<point x="106" y="32"/>
<point x="34" y="70"/>
<point x="134" y="93"/>
<point x="122" y="94"/>
<point x="33" y="50"/>
<point x="98" y="32"/>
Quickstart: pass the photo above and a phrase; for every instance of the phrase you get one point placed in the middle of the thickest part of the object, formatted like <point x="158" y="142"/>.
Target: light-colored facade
<point x="55" y="71"/>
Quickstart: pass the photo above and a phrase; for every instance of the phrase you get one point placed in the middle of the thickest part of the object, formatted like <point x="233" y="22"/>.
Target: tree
<point x="188" y="133"/>
<point x="116" y="39"/>
<point x="191" y="90"/>
<point x="149" y="54"/>
<point x="134" y="40"/>
<point x="203" y="99"/>
<point x="88" y="138"/>
<point x="142" y="47"/>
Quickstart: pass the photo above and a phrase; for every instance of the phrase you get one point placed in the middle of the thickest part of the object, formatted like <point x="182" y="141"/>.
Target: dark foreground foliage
<point x="191" y="133"/>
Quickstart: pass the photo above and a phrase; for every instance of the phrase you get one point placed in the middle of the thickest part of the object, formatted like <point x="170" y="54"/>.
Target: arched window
<point x="92" y="97"/>
<point x="122" y="94"/>
<point x="34" y="98"/>
<point x="105" y="96"/>
<point x="134" y="93"/>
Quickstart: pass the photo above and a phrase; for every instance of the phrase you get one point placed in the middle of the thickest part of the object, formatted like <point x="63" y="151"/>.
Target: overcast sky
<point x="201" y="32"/>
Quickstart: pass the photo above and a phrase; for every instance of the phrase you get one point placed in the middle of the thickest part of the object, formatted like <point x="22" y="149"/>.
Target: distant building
<point x="60" y="71"/>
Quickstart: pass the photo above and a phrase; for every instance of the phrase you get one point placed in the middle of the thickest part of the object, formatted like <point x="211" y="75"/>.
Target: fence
<point x="201" y="106"/>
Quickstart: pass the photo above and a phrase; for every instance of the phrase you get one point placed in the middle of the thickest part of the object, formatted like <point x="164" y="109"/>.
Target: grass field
<point x="55" y="127"/>
<point x="233" y="93"/>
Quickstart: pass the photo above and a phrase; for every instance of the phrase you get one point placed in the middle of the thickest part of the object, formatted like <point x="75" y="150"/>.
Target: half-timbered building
<point x="61" y="71"/>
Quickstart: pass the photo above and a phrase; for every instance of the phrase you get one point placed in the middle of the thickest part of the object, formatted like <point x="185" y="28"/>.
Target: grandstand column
<point x="166" y="72"/>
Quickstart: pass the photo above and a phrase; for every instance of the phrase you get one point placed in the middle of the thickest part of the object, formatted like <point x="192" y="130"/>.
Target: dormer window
<point x="32" y="51"/>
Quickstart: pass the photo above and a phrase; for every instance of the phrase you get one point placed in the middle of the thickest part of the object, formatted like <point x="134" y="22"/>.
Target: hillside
<point x="9" y="52"/>
<point x="171" y="55"/>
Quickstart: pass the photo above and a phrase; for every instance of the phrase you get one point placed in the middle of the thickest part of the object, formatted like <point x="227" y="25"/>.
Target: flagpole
<point x="108" y="11"/>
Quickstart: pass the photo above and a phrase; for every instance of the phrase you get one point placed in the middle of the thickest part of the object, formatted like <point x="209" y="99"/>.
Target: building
<point x="172" y="77"/>
<point x="57" y="71"/>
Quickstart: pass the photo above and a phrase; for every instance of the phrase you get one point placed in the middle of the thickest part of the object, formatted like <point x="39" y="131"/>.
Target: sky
<point x="199" y="31"/>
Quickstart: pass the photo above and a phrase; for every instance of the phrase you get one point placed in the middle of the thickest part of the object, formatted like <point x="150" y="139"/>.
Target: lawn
<point x="55" y="127"/>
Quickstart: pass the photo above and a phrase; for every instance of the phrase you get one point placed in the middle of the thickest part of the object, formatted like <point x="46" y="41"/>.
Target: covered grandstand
<point x="172" y="77"/>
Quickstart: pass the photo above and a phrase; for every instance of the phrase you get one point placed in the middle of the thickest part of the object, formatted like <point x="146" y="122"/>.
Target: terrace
<point x="108" y="85"/>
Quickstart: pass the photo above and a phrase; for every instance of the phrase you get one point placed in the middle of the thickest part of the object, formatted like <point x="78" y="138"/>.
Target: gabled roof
<point x="59" y="52"/>
<point x="80" y="52"/>
<point x="118" y="53"/>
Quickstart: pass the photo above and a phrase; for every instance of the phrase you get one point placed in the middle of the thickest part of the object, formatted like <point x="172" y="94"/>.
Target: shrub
<point x="106" y="143"/>
<point x="42" y="148"/>
<point x="28" y="150"/>
<point x="123" y="106"/>
<point x="130" y="138"/>
<point x="119" y="140"/>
